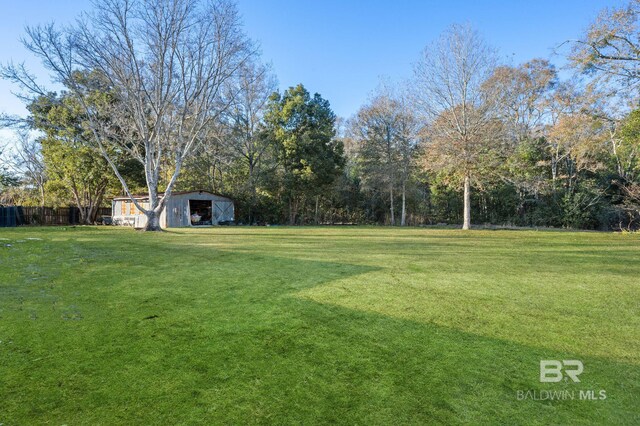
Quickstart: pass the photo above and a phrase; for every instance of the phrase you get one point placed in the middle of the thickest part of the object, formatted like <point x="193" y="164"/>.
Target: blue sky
<point x="341" y="49"/>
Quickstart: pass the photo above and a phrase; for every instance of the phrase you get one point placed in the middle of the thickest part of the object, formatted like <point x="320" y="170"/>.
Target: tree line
<point x="164" y="95"/>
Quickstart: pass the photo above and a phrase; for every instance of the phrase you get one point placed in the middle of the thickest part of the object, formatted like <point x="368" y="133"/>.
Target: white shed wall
<point x="177" y="211"/>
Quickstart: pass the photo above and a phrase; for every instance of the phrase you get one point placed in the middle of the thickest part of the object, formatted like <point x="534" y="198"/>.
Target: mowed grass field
<point x="315" y="325"/>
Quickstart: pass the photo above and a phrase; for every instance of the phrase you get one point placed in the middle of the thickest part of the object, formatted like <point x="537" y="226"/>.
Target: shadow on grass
<point x="199" y="335"/>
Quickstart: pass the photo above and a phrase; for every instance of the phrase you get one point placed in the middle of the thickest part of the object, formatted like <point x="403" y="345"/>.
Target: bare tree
<point x="374" y="130"/>
<point x="27" y="161"/>
<point x="408" y="131"/>
<point x="580" y="139"/>
<point x="244" y="120"/>
<point x="8" y="178"/>
<point x="521" y="94"/>
<point x="385" y="134"/>
<point x="30" y="161"/>
<point x="610" y="48"/>
<point x="460" y="115"/>
<point x="166" y="63"/>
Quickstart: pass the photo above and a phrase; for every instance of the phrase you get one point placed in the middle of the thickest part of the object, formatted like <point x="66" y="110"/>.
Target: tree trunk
<point x="79" y="204"/>
<point x="403" y="218"/>
<point x="93" y="211"/>
<point x="467" y="203"/>
<point x="316" y="218"/>
<point x="252" y="188"/>
<point x="393" y="218"/>
<point x="291" y="216"/>
<point x="83" y="215"/>
<point x="155" y="203"/>
<point x="42" y="203"/>
<point x="153" y="221"/>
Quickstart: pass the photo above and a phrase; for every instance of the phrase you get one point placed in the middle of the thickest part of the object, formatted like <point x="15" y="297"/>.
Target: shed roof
<point x="146" y="196"/>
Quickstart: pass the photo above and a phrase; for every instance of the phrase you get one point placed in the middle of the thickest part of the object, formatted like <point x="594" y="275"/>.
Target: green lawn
<point x="315" y="325"/>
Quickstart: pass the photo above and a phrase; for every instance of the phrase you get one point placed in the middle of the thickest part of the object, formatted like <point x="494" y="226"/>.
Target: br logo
<point x="551" y="370"/>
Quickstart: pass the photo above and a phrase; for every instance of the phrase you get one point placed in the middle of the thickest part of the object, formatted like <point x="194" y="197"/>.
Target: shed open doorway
<point x="200" y="212"/>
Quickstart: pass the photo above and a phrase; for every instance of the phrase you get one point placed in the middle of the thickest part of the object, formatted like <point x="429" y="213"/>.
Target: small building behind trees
<point x="187" y="208"/>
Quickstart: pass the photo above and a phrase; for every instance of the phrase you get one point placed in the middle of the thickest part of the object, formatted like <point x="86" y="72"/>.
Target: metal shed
<point x="187" y="208"/>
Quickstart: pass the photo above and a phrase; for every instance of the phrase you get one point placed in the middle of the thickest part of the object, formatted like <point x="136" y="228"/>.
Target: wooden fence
<point x="18" y="215"/>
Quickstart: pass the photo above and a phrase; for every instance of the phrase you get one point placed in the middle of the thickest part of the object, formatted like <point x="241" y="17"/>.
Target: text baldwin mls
<point x="553" y="371"/>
